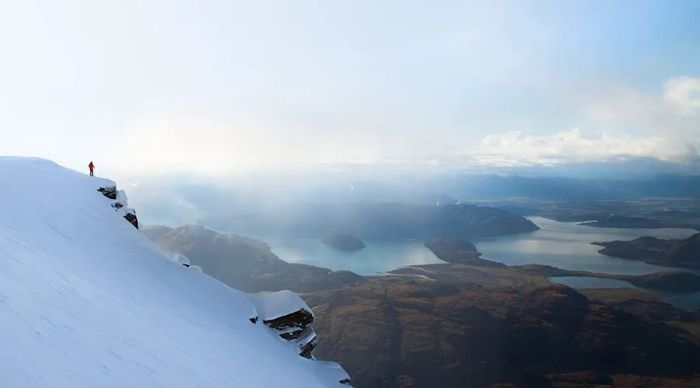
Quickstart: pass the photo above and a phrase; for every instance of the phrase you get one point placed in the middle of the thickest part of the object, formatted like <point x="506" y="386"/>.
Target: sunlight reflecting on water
<point x="376" y="257"/>
<point x="568" y="245"/>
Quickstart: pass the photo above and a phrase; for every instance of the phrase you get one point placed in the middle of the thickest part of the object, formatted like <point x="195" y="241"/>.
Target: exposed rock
<point x="131" y="217"/>
<point x="343" y="242"/>
<point x="308" y="345"/>
<point x="109" y="192"/>
<point x="297" y="321"/>
<point x="120" y="204"/>
<point x="288" y="315"/>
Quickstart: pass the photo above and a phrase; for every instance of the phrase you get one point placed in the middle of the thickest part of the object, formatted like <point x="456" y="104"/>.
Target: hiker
<point x="92" y="168"/>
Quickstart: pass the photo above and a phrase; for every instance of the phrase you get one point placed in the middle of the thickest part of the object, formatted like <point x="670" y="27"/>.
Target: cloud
<point x="614" y="123"/>
<point x="519" y="148"/>
<point x="637" y="122"/>
<point x="625" y="123"/>
<point x="684" y="93"/>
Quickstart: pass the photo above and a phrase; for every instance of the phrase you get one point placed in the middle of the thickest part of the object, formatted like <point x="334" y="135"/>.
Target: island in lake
<point x="343" y="242"/>
<point x="457" y="250"/>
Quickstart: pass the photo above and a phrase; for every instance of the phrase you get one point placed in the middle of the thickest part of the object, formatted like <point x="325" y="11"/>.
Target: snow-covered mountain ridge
<point x="87" y="301"/>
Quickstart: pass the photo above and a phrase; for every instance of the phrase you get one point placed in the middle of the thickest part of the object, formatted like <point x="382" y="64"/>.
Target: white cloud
<point x="684" y="93"/>
<point x="636" y="122"/>
<point x="614" y="122"/>
<point x="518" y="148"/>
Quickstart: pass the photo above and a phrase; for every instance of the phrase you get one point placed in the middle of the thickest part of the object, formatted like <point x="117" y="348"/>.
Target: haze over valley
<point x="394" y="194"/>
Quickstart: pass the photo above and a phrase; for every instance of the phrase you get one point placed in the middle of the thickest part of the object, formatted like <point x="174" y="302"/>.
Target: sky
<point x="224" y="87"/>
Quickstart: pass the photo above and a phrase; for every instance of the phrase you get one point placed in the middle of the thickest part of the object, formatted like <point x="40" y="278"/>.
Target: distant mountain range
<point x="182" y="200"/>
<point x="465" y="187"/>
<point x="370" y="221"/>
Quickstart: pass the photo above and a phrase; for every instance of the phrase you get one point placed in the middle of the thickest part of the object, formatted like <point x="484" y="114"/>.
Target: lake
<point x="568" y="245"/>
<point x="376" y="257"/>
<point x="561" y="244"/>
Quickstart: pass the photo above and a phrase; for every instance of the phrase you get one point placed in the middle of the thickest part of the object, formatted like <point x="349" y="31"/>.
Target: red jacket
<point x="91" y="166"/>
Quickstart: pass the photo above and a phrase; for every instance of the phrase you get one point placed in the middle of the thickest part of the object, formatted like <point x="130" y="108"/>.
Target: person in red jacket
<point x="91" y="166"/>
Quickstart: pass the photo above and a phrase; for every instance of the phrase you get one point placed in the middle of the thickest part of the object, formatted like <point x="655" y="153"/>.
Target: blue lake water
<point x="375" y="258"/>
<point x="568" y="245"/>
<point x="561" y="244"/>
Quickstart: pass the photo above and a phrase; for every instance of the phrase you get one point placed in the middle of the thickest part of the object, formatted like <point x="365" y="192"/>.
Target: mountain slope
<point x="244" y="263"/>
<point x="87" y="301"/>
<point x="674" y="252"/>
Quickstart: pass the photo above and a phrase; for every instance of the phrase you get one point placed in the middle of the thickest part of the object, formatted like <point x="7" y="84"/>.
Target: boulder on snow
<point x="131" y="217"/>
<point x="109" y="192"/>
<point x="287" y="314"/>
<point x="298" y="319"/>
<point x="308" y="346"/>
<point x="121" y="200"/>
<point x="120" y="204"/>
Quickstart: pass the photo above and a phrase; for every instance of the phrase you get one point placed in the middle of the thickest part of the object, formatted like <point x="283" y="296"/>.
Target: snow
<point x="87" y="301"/>
<point x="278" y="304"/>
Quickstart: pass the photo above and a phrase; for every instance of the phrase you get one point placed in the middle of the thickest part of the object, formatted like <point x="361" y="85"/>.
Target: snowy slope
<point x="87" y="301"/>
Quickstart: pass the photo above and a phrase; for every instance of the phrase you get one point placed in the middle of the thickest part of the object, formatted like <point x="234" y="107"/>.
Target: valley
<point x="472" y="321"/>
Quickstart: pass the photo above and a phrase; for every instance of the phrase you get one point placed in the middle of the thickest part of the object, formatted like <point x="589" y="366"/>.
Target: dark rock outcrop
<point x="296" y="320"/>
<point x="343" y="242"/>
<point x="131" y="217"/>
<point x="109" y="192"/>
<point x="288" y="315"/>
<point x="120" y="204"/>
